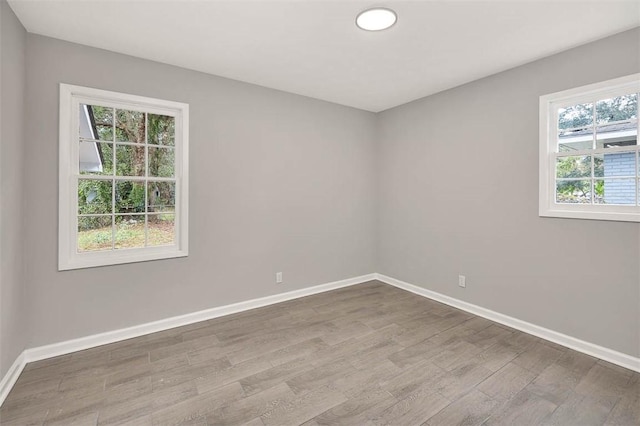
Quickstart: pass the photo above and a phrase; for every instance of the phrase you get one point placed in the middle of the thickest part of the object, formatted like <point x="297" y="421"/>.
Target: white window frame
<point x="549" y="105"/>
<point x="70" y="99"/>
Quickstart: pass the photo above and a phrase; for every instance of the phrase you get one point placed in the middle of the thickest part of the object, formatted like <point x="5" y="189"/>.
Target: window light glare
<point x="376" y="19"/>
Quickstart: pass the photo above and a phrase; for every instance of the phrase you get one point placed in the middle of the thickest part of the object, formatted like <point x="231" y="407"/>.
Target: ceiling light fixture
<point x="376" y="19"/>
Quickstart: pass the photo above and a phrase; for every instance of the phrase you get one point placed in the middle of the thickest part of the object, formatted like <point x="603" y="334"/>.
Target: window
<point x="589" y="157"/>
<point x="123" y="178"/>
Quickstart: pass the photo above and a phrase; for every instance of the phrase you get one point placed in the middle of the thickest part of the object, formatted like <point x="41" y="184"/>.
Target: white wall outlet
<point x="462" y="281"/>
<point x="278" y="277"/>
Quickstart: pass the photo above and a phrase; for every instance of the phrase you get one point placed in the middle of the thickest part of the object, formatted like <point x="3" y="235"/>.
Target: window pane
<point x="573" y="167"/>
<point x="162" y="197"/>
<point x="620" y="108"/>
<point x="162" y="129"/>
<point x="94" y="196"/>
<point x="575" y="140"/>
<point x="598" y="165"/>
<point x="130" y="126"/>
<point x="94" y="233"/>
<point x="129" y="197"/>
<point x="575" y="127"/>
<point x="576" y="116"/>
<point x="130" y="160"/>
<point x="573" y="191"/>
<point x="96" y="122"/>
<point x="130" y="231"/>
<point x="161" y="162"/>
<point x="615" y="191"/>
<point x="161" y="229"/>
<point x="617" y="121"/>
<point x="617" y="137"/>
<point x="615" y="164"/>
<point x="95" y="158"/>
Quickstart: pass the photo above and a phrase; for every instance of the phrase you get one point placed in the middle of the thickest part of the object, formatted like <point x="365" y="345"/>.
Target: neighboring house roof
<point x="619" y="133"/>
<point x="90" y="153"/>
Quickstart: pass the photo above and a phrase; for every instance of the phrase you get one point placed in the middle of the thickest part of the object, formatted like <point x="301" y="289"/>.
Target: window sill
<point x="92" y="260"/>
<point x="568" y="213"/>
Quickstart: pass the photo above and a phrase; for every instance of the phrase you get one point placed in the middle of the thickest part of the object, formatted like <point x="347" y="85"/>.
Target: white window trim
<point x="548" y="119"/>
<point x="70" y="98"/>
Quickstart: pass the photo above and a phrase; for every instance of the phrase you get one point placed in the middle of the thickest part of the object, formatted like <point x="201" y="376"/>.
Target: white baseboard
<point x="11" y="377"/>
<point x="69" y="346"/>
<point x="614" y="357"/>
<point x="56" y="349"/>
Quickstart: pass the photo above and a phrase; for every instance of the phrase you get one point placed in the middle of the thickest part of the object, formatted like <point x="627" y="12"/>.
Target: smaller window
<point x="589" y="156"/>
<point x="123" y="178"/>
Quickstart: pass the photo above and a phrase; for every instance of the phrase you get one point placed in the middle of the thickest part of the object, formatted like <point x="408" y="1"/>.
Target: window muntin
<point x="124" y="158"/>
<point x="589" y="165"/>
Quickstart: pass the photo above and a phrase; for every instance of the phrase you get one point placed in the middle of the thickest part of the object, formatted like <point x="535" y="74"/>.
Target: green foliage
<point x="96" y="197"/>
<point x="617" y="109"/>
<point x="161" y="129"/>
<point x="598" y="187"/>
<point x="573" y="168"/>
<point x="578" y="168"/>
<point x="103" y="118"/>
<point x="129" y="233"/>
<point x="129" y="197"/>
<point x="130" y="126"/>
<point x="607" y="111"/>
<point x="576" y="116"/>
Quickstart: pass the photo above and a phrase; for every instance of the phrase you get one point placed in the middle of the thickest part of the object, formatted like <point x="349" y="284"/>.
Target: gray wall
<point x="444" y="185"/>
<point x="278" y="182"/>
<point x="13" y="333"/>
<point x="458" y="178"/>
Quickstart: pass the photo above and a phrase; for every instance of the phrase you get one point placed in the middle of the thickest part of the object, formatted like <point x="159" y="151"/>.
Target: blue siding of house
<point x="619" y="191"/>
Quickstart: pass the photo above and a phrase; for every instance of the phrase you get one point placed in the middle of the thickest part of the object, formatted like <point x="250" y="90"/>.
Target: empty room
<point x="270" y="213"/>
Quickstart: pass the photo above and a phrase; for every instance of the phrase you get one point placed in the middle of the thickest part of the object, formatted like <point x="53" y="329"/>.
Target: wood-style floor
<point x="367" y="354"/>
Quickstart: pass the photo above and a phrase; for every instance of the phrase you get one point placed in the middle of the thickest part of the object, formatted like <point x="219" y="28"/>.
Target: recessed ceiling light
<point x="376" y="19"/>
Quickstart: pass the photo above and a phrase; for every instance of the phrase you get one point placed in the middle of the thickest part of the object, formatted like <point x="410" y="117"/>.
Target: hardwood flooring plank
<point x="461" y="380"/>
<point x="472" y="409"/>
<point x="538" y="357"/>
<point x="253" y="406"/>
<point x="231" y="375"/>
<point x="320" y="376"/>
<point x="497" y="356"/>
<point x="413" y="378"/>
<point x="604" y="381"/>
<point x="304" y="349"/>
<point x="185" y="373"/>
<point x="358" y="410"/>
<point x="627" y="410"/>
<point x="133" y="408"/>
<point x="33" y="416"/>
<point x="582" y="410"/>
<point x="524" y="409"/>
<point x="271" y="377"/>
<point x="362" y="381"/>
<point x="81" y="419"/>
<point x="506" y="382"/>
<point x="414" y="409"/>
<point x="414" y="354"/>
<point x="197" y="407"/>
<point x="298" y="410"/>
<point x="555" y="383"/>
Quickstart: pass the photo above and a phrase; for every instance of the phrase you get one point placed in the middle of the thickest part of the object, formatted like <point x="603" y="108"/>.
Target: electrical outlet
<point x="278" y="277"/>
<point x="462" y="281"/>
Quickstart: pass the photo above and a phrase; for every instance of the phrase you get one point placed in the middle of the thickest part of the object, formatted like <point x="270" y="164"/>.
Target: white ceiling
<point x="313" y="48"/>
